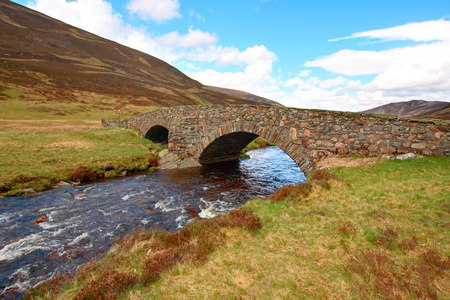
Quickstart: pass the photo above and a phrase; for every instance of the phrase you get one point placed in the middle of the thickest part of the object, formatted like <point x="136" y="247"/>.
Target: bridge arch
<point x="227" y="141"/>
<point x="158" y="134"/>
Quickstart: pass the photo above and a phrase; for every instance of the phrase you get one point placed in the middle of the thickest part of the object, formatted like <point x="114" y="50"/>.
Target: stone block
<point x="373" y="148"/>
<point x="406" y="144"/>
<point x="418" y="146"/>
<point x="339" y="146"/>
<point x="361" y="137"/>
<point x="385" y="149"/>
<point x="307" y="132"/>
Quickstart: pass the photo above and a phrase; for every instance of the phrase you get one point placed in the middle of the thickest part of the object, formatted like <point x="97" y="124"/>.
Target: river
<point x="84" y="221"/>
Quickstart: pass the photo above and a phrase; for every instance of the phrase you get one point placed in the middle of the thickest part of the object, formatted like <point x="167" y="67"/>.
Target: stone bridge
<point x="206" y="134"/>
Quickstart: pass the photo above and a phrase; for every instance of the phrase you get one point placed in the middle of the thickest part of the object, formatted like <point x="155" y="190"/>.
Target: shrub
<point x="387" y="238"/>
<point x="409" y="244"/>
<point x="107" y="287"/>
<point x="322" y="178"/>
<point x="282" y="193"/>
<point x="316" y="212"/>
<point x="347" y="228"/>
<point x="23" y="179"/>
<point x="153" y="161"/>
<point x="388" y="280"/>
<point x="4" y="187"/>
<point x="302" y="190"/>
<point x="158" y="262"/>
<point x="84" y="174"/>
<point x="48" y="288"/>
<point x="242" y="218"/>
<point x="139" y="235"/>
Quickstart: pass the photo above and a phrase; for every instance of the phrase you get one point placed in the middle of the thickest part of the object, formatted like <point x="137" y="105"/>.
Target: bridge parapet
<point x="305" y="135"/>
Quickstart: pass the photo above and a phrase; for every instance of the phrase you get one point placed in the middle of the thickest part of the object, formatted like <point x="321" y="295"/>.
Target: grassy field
<point x="371" y="232"/>
<point x="22" y="103"/>
<point x="36" y="154"/>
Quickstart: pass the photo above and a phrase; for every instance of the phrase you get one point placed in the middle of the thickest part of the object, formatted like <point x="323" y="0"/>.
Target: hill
<point x="50" y="68"/>
<point x="415" y="108"/>
<point x="246" y="95"/>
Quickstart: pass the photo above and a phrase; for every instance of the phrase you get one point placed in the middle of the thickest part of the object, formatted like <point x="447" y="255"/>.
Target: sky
<point x="348" y="55"/>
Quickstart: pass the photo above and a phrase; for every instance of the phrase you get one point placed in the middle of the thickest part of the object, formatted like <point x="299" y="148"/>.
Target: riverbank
<point x="38" y="154"/>
<point x="375" y="231"/>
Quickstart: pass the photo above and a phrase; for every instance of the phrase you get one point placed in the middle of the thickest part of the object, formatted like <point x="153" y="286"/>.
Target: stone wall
<point x="305" y="135"/>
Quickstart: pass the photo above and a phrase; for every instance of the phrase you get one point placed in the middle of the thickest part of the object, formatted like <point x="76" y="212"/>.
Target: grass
<point x="257" y="143"/>
<point x="23" y="103"/>
<point x="373" y="232"/>
<point x="36" y="154"/>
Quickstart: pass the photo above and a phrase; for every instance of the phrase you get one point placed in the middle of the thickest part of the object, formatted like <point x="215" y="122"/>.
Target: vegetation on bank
<point x="37" y="154"/>
<point x="374" y="231"/>
<point x="257" y="143"/>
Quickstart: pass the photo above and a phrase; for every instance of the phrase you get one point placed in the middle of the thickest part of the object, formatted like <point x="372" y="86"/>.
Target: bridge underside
<point x="227" y="147"/>
<point x="158" y="134"/>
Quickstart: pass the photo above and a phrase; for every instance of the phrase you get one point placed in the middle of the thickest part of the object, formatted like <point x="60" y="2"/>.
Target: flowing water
<point x="84" y="221"/>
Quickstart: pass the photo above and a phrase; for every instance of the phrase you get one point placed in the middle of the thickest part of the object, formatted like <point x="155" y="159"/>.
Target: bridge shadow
<point x="158" y="134"/>
<point x="227" y="147"/>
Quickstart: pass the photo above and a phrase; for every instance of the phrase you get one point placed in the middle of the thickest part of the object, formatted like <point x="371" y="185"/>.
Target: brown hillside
<point x="415" y="108"/>
<point x="442" y="113"/>
<point x="63" y="70"/>
<point x="246" y="95"/>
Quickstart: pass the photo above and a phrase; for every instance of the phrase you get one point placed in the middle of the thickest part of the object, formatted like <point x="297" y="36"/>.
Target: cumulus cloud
<point x="419" y="71"/>
<point x="156" y="10"/>
<point x="194" y="38"/>
<point x="96" y="16"/>
<point x="255" y="78"/>
<point x="224" y="56"/>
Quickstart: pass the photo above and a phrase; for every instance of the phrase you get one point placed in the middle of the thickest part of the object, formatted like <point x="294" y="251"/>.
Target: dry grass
<point x="376" y="234"/>
<point x="107" y="286"/>
<point x="382" y="277"/>
<point x="315" y="247"/>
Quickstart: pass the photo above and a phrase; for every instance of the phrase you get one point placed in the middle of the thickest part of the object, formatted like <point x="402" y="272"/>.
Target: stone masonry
<point x="202" y="133"/>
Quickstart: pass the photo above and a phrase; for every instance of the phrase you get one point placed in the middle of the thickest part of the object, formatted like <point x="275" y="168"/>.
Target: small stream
<point x="84" y="221"/>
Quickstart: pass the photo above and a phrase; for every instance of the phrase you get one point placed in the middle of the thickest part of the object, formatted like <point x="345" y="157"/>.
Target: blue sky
<point x="340" y="55"/>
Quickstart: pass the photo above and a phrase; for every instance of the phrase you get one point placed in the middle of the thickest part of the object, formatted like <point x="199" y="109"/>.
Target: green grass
<point x="378" y="232"/>
<point x="257" y="143"/>
<point x="39" y="154"/>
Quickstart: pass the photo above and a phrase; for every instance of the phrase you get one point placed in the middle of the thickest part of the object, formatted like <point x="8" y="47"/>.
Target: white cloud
<point x="329" y="83"/>
<point x="96" y="16"/>
<point x="418" y="32"/>
<point x="194" y="38"/>
<point x="415" y="72"/>
<point x="255" y="78"/>
<point x="304" y="73"/>
<point x="232" y="56"/>
<point x="156" y="10"/>
<point x="195" y="15"/>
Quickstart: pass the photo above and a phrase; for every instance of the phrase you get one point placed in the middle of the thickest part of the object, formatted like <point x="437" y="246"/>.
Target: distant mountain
<point x="415" y="108"/>
<point x="63" y="70"/>
<point x="245" y="95"/>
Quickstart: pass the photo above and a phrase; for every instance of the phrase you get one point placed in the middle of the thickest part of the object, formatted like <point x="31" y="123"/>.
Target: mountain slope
<point x="245" y="95"/>
<point x="65" y="71"/>
<point x="415" y="108"/>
